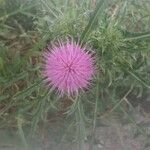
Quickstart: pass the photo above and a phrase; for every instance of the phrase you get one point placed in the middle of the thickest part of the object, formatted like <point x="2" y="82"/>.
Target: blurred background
<point x="114" y="114"/>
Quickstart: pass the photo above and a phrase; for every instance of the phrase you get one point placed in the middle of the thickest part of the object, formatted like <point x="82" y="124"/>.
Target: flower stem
<point x="95" y="115"/>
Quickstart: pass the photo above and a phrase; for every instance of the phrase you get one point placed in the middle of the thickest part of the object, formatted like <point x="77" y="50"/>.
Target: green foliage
<point x="108" y="39"/>
<point x="118" y="32"/>
<point x="94" y="17"/>
<point x="61" y="21"/>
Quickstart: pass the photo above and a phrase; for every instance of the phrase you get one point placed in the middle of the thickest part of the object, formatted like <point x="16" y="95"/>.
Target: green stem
<point x="95" y="114"/>
<point x="21" y="133"/>
<point x="80" y="124"/>
<point x="146" y="35"/>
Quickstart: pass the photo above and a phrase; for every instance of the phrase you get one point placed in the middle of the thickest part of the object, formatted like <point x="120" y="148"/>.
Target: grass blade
<point x="137" y="36"/>
<point x="92" y="20"/>
<point x="139" y="79"/>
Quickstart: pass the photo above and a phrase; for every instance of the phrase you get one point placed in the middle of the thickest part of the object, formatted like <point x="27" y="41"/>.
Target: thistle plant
<point x="33" y="77"/>
<point x="68" y="68"/>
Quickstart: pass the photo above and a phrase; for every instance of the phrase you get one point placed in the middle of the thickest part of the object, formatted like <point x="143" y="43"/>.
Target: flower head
<point x="68" y="67"/>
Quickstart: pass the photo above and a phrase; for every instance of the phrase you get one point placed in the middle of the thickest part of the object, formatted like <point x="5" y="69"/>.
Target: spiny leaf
<point x="39" y="111"/>
<point x="27" y="91"/>
<point x="19" y="10"/>
<point x="18" y="77"/>
<point x="139" y="79"/>
<point x="99" y="9"/>
<point x="48" y="8"/>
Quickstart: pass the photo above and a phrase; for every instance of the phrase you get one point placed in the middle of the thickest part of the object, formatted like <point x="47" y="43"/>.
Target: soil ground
<point x="114" y="135"/>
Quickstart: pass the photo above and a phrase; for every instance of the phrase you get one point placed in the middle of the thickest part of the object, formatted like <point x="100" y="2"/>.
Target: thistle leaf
<point x="99" y="9"/>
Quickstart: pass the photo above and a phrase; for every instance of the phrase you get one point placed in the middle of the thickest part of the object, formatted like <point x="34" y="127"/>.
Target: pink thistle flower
<point x="68" y="67"/>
